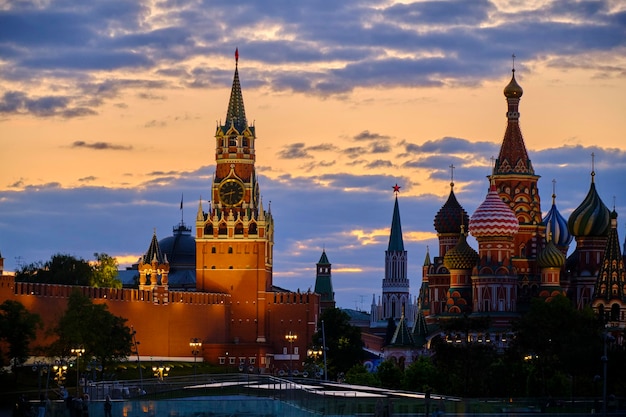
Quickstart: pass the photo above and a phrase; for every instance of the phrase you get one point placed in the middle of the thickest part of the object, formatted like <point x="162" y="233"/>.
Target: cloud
<point x="100" y="146"/>
<point x="294" y="151"/>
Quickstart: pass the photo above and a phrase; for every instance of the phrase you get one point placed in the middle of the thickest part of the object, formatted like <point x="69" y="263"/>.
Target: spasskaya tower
<point x="235" y="236"/>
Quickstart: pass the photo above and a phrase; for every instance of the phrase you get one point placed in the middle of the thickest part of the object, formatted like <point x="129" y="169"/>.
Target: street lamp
<point x="59" y="368"/>
<point x="161" y="371"/>
<point x="315" y="353"/>
<point x="78" y="353"/>
<point x="291" y="338"/>
<point x="195" y="344"/>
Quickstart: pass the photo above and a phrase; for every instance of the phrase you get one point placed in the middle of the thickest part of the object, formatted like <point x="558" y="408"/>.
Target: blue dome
<point x="556" y="227"/>
<point x="180" y="249"/>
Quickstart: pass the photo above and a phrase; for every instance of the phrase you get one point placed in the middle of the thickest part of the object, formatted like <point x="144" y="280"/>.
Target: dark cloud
<point x="100" y="146"/>
<point x="294" y="151"/>
<point x="341" y="45"/>
<point x="367" y="135"/>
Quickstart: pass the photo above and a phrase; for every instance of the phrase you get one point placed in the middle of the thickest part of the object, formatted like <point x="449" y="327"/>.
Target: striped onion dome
<point x="592" y="217"/>
<point x="451" y="215"/>
<point x="462" y="256"/>
<point x="556" y="226"/>
<point x="493" y="217"/>
<point x="550" y="257"/>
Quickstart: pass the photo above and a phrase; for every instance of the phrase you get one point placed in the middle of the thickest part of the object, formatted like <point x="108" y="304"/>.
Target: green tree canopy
<point x="344" y="347"/>
<point x="18" y="328"/>
<point x="68" y="270"/>
<point x="103" y="335"/>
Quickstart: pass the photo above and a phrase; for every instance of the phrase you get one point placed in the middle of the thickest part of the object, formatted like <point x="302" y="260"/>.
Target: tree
<point x="344" y="347"/>
<point x="421" y="375"/>
<point x="359" y="375"/>
<point x="18" y="328"/>
<point x="557" y="339"/>
<point x="68" y="270"/>
<point x="60" y="269"/>
<point x="103" y="335"/>
<point x="105" y="272"/>
<point x="389" y="374"/>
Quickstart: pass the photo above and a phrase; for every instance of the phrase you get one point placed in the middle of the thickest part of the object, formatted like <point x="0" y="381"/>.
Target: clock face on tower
<point x="231" y="192"/>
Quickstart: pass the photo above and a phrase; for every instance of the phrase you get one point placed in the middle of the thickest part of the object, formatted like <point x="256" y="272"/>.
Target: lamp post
<point x="135" y="350"/>
<point x="291" y="338"/>
<point x="59" y="369"/>
<point x="161" y="371"/>
<point x="195" y="344"/>
<point x="315" y="353"/>
<point x="40" y="368"/>
<point x="77" y="352"/>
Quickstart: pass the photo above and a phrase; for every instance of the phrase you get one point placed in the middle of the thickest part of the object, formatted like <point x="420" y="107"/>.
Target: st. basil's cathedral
<point x="520" y="256"/>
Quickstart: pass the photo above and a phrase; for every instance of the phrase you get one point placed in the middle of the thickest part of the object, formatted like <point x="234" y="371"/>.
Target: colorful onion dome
<point x="493" y="217"/>
<point x="556" y="226"/>
<point x="550" y="257"/>
<point x="592" y="217"/>
<point x="513" y="89"/>
<point x="451" y="216"/>
<point x="462" y="256"/>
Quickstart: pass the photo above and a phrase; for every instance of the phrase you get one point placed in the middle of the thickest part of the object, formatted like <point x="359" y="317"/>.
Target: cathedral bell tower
<point x="235" y="237"/>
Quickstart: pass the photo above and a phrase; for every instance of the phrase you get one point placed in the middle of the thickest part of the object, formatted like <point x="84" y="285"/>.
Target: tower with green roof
<point x="324" y="283"/>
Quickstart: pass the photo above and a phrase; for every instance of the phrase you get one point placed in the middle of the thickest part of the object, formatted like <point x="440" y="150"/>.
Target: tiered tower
<point x="153" y="272"/>
<point x="516" y="183"/>
<point x="609" y="299"/>
<point x="395" y="298"/>
<point x="494" y="282"/>
<point x="590" y="225"/>
<point x="235" y="237"/>
<point x="324" y="283"/>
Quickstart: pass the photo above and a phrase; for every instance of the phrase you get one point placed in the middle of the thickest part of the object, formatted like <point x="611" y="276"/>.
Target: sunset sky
<point x="108" y="110"/>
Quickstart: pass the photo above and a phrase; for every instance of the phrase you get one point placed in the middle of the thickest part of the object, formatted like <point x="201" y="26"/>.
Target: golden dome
<point x="513" y="89"/>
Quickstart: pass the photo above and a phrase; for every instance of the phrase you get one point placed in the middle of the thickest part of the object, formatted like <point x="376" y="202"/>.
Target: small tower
<point x="590" y="224"/>
<point x="324" y="284"/>
<point x="153" y="272"/>
<point x="494" y="282"/>
<point x="460" y="261"/>
<point x="609" y="298"/>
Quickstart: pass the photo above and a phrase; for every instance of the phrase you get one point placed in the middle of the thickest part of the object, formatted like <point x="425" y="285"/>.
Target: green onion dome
<point x="550" y="257"/>
<point x="592" y="217"/>
<point x="462" y="256"/>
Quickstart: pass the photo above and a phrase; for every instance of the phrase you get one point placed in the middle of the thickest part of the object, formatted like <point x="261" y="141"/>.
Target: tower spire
<point x="236" y="113"/>
<point x="395" y="238"/>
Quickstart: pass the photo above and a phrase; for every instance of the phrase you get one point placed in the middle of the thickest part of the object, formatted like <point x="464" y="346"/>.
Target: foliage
<point x="421" y="375"/>
<point x="18" y="327"/>
<point x="359" y="375"/>
<point x="344" y="347"/>
<point x="103" y="335"/>
<point x="389" y="374"/>
<point x="557" y="339"/>
<point x="105" y="272"/>
<point x="68" y="270"/>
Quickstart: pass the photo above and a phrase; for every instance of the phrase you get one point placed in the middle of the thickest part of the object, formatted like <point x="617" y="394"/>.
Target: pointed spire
<point x="200" y="212"/>
<point x="402" y="336"/>
<point x="612" y="276"/>
<point x="427" y="257"/>
<point x="236" y="114"/>
<point x="513" y="157"/>
<point x="395" y="237"/>
<point x="154" y="251"/>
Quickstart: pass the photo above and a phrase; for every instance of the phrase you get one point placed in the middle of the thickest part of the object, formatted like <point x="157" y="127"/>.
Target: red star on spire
<point x="396" y="188"/>
<point x="236" y="54"/>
